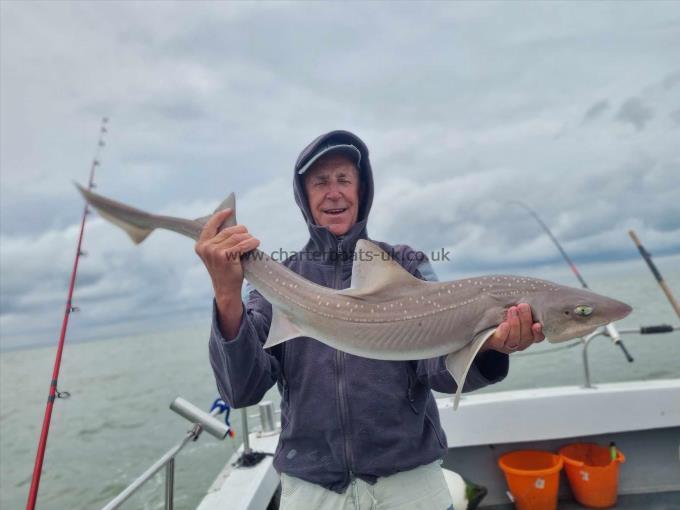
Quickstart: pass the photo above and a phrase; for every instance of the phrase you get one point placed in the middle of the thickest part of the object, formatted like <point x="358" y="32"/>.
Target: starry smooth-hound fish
<point x="387" y="313"/>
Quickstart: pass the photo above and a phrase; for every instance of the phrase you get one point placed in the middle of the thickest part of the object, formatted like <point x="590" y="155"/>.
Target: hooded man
<point x="346" y="421"/>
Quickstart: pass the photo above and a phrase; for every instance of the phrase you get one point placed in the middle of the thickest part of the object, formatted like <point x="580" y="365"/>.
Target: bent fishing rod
<point x="655" y="271"/>
<point x="53" y="391"/>
<point x="610" y="328"/>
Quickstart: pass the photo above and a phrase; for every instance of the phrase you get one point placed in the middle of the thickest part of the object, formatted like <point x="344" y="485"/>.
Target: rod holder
<point x="196" y="415"/>
<point x="267" y="416"/>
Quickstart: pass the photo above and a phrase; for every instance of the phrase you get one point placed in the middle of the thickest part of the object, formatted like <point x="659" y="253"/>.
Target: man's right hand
<point x="221" y="253"/>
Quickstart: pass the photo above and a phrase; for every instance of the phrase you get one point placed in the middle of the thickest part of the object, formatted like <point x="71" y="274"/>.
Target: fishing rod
<point x="611" y="329"/>
<point x="652" y="267"/>
<point x="53" y="392"/>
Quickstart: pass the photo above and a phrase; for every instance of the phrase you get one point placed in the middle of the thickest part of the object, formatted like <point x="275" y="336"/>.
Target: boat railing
<point x="614" y="334"/>
<point x="609" y="331"/>
<point x="201" y="421"/>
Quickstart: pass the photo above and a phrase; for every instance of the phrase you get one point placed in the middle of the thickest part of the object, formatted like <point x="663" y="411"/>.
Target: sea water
<point x="117" y="421"/>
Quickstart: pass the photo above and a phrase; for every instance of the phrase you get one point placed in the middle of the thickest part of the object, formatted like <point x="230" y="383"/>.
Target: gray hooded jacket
<point x="341" y="415"/>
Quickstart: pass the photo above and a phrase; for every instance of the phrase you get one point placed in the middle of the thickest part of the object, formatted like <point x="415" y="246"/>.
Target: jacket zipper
<point x="342" y="390"/>
<point x="410" y="393"/>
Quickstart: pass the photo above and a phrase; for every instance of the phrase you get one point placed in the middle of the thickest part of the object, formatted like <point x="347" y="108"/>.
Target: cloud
<point x="464" y="108"/>
<point x="672" y="80"/>
<point x="635" y="112"/>
<point x="486" y="232"/>
<point x="675" y="116"/>
<point x="596" y="110"/>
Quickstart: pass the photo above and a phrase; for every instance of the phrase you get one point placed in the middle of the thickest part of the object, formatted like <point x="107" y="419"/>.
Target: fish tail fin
<point x="458" y="363"/>
<point x="135" y="223"/>
<point x="137" y="234"/>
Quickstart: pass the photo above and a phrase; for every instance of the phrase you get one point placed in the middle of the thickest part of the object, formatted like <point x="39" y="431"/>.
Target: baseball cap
<point x="348" y="150"/>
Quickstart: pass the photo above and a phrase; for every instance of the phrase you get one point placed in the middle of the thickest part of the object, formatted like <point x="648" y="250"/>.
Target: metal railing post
<point x="169" y="484"/>
<point x="586" y="366"/>
<point x="246" y="433"/>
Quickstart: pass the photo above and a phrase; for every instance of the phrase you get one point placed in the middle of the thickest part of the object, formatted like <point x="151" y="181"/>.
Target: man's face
<point x="332" y="187"/>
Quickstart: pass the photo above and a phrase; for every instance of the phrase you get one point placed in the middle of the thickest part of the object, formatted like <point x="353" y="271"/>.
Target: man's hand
<point x="221" y="253"/>
<point x="516" y="333"/>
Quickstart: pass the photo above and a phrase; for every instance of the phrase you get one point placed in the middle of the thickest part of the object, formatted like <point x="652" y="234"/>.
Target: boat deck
<point x="643" y="418"/>
<point x="657" y="501"/>
<point x="241" y="488"/>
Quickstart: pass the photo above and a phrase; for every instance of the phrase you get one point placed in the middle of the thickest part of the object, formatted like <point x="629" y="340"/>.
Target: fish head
<point x="567" y="312"/>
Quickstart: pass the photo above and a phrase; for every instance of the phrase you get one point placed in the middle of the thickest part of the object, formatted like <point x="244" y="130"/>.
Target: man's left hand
<point x="516" y="333"/>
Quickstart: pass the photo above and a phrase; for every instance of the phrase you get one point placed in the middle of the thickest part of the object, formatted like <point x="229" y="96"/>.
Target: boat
<point x="641" y="417"/>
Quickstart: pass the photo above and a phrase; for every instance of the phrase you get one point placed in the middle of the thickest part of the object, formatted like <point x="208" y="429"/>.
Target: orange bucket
<point x="593" y="474"/>
<point x="533" y="477"/>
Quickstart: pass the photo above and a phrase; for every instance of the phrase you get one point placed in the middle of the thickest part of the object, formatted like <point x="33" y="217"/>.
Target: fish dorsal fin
<point x="227" y="203"/>
<point x="375" y="273"/>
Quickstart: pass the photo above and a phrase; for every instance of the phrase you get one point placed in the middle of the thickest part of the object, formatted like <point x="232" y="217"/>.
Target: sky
<point x="572" y="108"/>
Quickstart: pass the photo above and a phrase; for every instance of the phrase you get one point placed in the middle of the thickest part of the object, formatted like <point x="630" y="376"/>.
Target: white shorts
<point x="422" y="488"/>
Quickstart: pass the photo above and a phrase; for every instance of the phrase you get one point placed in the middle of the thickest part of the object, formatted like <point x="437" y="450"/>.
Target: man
<point x="348" y="422"/>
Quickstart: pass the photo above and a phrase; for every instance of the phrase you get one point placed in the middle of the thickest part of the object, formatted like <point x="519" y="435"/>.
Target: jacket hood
<point x="322" y="239"/>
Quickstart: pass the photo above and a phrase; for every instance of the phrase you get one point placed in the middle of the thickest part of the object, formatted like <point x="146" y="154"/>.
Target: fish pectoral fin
<point x="376" y="274"/>
<point x="458" y="363"/>
<point x="281" y="329"/>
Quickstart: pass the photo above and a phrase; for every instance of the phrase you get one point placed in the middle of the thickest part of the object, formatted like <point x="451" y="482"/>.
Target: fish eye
<point x="583" y="310"/>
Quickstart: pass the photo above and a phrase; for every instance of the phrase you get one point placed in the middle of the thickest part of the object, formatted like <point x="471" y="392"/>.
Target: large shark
<point x="387" y="313"/>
